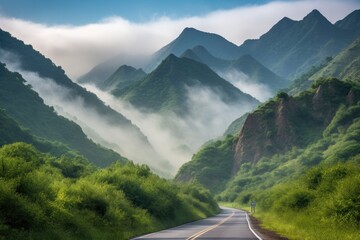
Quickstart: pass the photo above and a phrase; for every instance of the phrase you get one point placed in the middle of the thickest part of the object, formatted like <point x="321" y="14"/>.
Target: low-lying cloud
<point x="121" y="139"/>
<point x="78" y="48"/>
<point x="247" y="85"/>
<point x="176" y="138"/>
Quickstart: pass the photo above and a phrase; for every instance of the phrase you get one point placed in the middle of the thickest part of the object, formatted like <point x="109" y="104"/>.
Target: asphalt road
<point x="230" y="224"/>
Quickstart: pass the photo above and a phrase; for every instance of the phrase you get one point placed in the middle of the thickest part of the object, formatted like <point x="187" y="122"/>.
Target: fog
<point x="121" y="139"/>
<point x="247" y="85"/>
<point x="174" y="139"/>
<point x="177" y="138"/>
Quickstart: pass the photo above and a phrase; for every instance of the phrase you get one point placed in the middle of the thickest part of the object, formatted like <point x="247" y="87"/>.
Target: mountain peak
<point x="315" y="15"/>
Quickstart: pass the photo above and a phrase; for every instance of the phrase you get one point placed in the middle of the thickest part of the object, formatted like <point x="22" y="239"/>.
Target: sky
<point x="79" y="34"/>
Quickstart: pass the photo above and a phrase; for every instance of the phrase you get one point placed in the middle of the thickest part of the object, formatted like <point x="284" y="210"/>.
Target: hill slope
<point x="28" y="109"/>
<point x="98" y="121"/>
<point x="166" y="88"/>
<point x="277" y="127"/>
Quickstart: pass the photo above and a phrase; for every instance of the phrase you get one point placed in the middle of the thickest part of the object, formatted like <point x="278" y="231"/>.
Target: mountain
<point x="122" y="78"/>
<point x="29" y="110"/>
<point x="277" y="127"/>
<point x="245" y="68"/>
<point x="166" y="88"/>
<point x="346" y="65"/>
<point x="100" y="122"/>
<point x="350" y="22"/>
<point x="292" y="47"/>
<point x="190" y="38"/>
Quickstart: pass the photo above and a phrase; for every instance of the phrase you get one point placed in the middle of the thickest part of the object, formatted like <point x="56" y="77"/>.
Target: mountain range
<point x="288" y="49"/>
<point x="166" y="88"/>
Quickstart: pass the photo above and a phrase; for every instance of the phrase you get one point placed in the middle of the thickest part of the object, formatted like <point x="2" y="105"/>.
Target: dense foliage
<point x="44" y="197"/>
<point x="211" y="165"/>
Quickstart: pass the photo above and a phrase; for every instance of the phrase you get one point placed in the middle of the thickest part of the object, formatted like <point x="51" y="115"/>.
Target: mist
<point x="121" y="139"/>
<point x="176" y="138"/>
<point x="247" y="85"/>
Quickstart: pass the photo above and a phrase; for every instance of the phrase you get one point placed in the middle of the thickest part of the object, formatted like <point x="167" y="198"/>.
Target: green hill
<point x="47" y="197"/>
<point x="29" y="110"/>
<point x="346" y="65"/>
<point x="294" y="156"/>
<point x="165" y="89"/>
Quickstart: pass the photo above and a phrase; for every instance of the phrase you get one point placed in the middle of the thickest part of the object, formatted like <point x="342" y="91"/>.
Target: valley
<point x="129" y="149"/>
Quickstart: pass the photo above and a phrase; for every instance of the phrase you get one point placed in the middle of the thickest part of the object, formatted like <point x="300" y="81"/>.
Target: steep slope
<point x="121" y="78"/>
<point x="236" y="126"/>
<point x="166" y="88"/>
<point x="346" y="65"/>
<point x="28" y="109"/>
<point x="277" y="127"/>
<point x="190" y="38"/>
<point x="292" y="47"/>
<point x="245" y="68"/>
<point x="98" y="121"/>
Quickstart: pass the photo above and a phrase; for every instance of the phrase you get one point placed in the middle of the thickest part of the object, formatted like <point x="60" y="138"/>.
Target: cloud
<point x="78" y="48"/>
<point x="175" y="137"/>
<point x="121" y="139"/>
<point x="240" y="80"/>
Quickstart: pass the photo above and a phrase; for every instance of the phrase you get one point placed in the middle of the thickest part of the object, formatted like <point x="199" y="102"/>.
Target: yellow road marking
<point x="196" y="235"/>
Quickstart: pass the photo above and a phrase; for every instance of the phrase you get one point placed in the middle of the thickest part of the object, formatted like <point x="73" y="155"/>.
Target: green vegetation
<point x="166" y="88"/>
<point x="235" y="127"/>
<point x="45" y="197"/>
<point x="307" y="188"/>
<point x="29" y="111"/>
<point x="211" y="166"/>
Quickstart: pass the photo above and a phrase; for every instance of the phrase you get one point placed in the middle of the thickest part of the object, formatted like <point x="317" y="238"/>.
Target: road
<point x="230" y="224"/>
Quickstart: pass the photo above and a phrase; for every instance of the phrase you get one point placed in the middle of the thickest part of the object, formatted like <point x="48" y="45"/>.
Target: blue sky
<point x="84" y="11"/>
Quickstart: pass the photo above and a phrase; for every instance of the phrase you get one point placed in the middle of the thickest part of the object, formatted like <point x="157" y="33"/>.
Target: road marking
<point x="252" y="230"/>
<point x="196" y="235"/>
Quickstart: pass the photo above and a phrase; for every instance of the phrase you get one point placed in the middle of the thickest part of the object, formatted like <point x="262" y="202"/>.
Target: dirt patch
<point x="264" y="233"/>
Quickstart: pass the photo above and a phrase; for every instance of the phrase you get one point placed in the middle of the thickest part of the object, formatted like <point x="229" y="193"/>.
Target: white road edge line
<point x="251" y="229"/>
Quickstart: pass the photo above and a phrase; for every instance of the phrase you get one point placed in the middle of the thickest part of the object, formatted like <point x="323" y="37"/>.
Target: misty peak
<point x="189" y="31"/>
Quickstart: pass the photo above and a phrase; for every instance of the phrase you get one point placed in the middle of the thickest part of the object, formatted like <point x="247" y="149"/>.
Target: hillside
<point x="295" y="46"/>
<point x="344" y="66"/>
<point x="29" y="110"/>
<point x="248" y="68"/>
<point x="165" y="89"/>
<point x="47" y="197"/>
<point x="276" y="127"/>
<point x="96" y="119"/>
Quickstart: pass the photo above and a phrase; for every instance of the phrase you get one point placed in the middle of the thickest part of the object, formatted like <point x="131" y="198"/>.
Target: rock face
<point x="287" y="122"/>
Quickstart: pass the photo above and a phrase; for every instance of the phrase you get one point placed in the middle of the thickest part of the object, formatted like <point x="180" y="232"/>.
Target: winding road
<point x="230" y="224"/>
